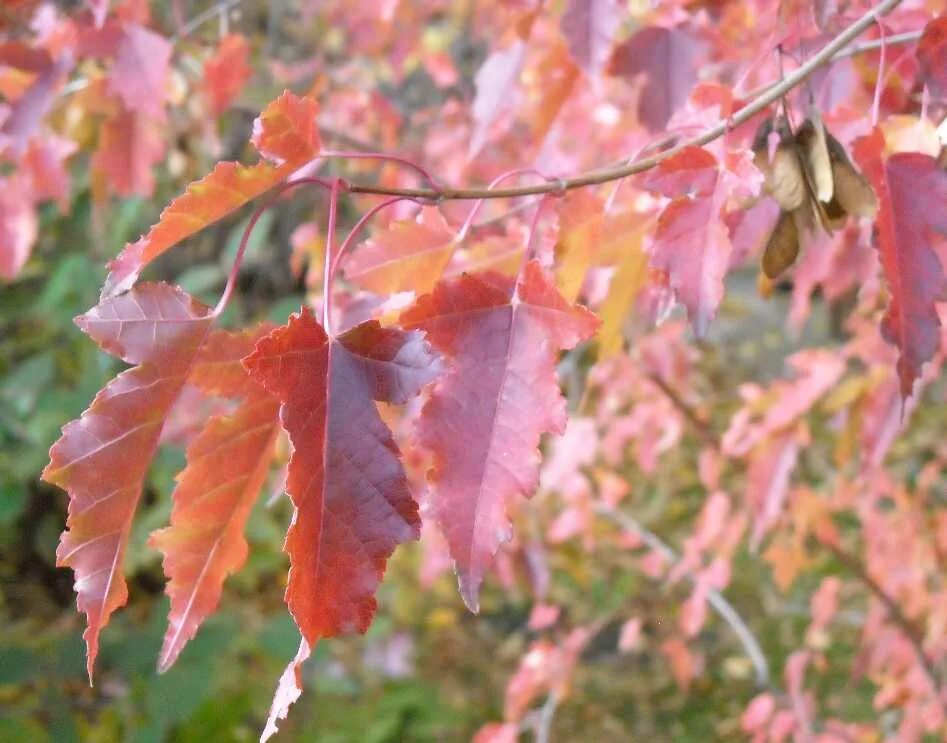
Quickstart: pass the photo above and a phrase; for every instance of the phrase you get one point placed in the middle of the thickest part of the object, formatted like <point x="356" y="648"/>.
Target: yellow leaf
<point x="580" y="225"/>
<point x="626" y="284"/>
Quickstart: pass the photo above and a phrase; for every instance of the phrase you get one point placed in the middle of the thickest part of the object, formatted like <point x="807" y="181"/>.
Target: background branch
<point x="913" y="633"/>
<point x="773" y="93"/>
<point x="715" y="598"/>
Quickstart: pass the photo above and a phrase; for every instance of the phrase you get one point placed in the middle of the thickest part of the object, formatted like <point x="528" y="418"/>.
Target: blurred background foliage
<point x="427" y="670"/>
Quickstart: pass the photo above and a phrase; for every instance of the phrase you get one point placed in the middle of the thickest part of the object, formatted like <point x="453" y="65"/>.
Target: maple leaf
<point x="668" y="59"/>
<point x="932" y="55"/>
<point x="629" y="279"/>
<point x="485" y="417"/>
<point x="130" y="144"/>
<point x="771" y="465"/>
<point x="29" y="110"/>
<point x="816" y="371"/>
<point x="589" y="27"/>
<point x="549" y="90"/>
<point x="691" y="241"/>
<point x="44" y="161"/>
<point x="284" y="134"/>
<point x="139" y="74"/>
<point x="226" y="73"/>
<point x="288" y="690"/>
<point x="19" y="227"/>
<point x="912" y="191"/>
<point x="495" y="81"/>
<point x="580" y="228"/>
<point x="346" y="481"/>
<point x="407" y="255"/>
<point x="226" y="466"/>
<point x="690" y="172"/>
<point x="101" y="459"/>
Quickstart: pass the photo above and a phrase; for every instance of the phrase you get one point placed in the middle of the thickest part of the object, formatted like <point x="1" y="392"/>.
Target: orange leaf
<point x="408" y="255"/>
<point x="285" y="133"/>
<point x="226" y="72"/>
<point x="580" y="228"/>
<point x="226" y="467"/>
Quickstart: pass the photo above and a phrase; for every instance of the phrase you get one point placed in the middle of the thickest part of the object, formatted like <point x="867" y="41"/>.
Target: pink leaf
<point x="589" y="27"/>
<point x="495" y="81"/>
<point x="102" y="458"/>
<point x="691" y="242"/>
<point x="18" y="227"/>
<point x="485" y="417"/>
<point x="140" y="71"/>
<point x="668" y="58"/>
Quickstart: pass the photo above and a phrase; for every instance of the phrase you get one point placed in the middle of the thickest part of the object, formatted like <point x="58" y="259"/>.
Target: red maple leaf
<point x="139" y="75"/>
<point x="486" y="415"/>
<point x="912" y="191"/>
<point x="353" y="504"/>
<point x="932" y="55"/>
<point x="101" y="459"/>
<point x="408" y="254"/>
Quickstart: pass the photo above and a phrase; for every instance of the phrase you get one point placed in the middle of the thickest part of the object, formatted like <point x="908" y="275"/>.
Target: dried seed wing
<point x="787" y="182"/>
<point x="812" y="140"/>
<point x="852" y="190"/>
<point x="782" y="247"/>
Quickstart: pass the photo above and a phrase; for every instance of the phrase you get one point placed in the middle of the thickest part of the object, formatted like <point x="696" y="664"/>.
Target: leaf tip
<point x="469" y="587"/>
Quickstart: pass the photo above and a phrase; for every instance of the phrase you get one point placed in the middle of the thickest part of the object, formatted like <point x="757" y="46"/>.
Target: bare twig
<point x="759" y="103"/>
<point x="546" y="714"/>
<point x="700" y="424"/>
<point x="715" y="598"/>
<point x="906" y="38"/>
<point x="214" y="11"/>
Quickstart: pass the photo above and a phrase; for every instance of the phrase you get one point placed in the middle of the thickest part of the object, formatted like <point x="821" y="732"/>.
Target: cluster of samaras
<point x="811" y="177"/>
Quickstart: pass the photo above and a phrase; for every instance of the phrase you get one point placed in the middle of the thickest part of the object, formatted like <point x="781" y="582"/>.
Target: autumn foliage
<point x="510" y="372"/>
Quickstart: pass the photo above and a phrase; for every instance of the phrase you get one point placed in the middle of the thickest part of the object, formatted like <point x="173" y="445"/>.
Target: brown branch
<point x="700" y="424"/>
<point x="913" y="633"/>
<point x="775" y="92"/>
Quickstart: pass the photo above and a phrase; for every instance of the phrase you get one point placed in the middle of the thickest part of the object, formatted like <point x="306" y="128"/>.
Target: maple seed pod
<point x="783" y="245"/>
<point x="853" y="194"/>
<point x="784" y="177"/>
<point x="811" y="138"/>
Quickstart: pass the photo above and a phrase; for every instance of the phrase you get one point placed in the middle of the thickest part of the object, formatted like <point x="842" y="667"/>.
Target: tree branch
<point x="700" y="424"/>
<point x="909" y="629"/>
<point x="714" y="597"/>
<point x="771" y="94"/>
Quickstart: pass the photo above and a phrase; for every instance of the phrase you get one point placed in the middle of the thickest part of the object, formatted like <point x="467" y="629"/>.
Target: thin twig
<point x="223" y="6"/>
<point x="909" y="629"/>
<point x="759" y="103"/>
<point x="699" y="422"/>
<point x="906" y="38"/>
<point x="546" y="713"/>
<point x="714" y="597"/>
